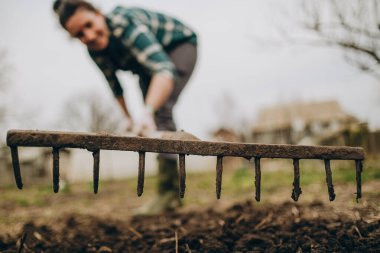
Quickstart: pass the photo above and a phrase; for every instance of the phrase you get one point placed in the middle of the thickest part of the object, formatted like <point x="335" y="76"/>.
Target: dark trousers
<point x="184" y="57"/>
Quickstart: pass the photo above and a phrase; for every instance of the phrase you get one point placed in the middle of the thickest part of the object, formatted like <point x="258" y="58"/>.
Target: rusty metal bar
<point x="182" y="175"/>
<point x="296" y="183"/>
<point x="329" y="182"/>
<point x="55" y="170"/>
<point x="92" y="141"/>
<point x="359" y="169"/>
<point x="96" y="155"/>
<point x="219" y="175"/>
<point x="141" y="174"/>
<point x="16" y="167"/>
<point x="257" y="178"/>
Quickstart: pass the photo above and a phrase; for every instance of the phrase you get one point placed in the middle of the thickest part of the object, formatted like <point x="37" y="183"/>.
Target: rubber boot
<point x="167" y="188"/>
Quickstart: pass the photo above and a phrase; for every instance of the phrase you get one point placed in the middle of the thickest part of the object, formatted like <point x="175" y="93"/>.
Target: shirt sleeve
<point x="146" y="49"/>
<point x="109" y="72"/>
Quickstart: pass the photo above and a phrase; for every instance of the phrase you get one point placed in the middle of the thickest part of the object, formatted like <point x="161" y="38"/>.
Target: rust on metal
<point x="55" y="169"/>
<point x="96" y="155"/>
<point x="257" y="178"/>
<point x="16" y="167"/>
<point x="182" y="175"/>
<point x="92" y="141"/>
<point x="296" y="183"/>
<point x="359" y="170"/>
<point x="329" y="182"/>
<point x="219" y="176"/>
<point x="141" y="174"/>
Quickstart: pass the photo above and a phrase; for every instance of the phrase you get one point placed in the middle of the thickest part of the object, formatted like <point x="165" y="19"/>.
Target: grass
<point x="201" y="186"/>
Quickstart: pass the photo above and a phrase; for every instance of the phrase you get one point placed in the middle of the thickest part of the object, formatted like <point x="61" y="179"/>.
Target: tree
<point x="91" y="113"/>
<point x="352" y="25"/>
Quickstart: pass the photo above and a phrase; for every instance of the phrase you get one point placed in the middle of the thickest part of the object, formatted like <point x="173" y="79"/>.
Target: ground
<point x="76" y="220"/>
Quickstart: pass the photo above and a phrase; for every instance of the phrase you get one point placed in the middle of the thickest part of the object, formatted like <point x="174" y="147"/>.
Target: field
<point x="76" y="220"/>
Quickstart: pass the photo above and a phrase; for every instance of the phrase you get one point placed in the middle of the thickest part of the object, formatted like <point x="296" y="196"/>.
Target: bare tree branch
<point x="352" y="25"/>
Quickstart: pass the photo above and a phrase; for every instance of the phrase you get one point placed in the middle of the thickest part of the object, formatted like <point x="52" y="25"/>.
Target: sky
<point x="47" y="67"/>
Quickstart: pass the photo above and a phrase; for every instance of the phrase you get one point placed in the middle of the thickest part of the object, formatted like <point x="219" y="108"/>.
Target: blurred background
<point x="294" y="72"/>
<point x="269" y="71"/>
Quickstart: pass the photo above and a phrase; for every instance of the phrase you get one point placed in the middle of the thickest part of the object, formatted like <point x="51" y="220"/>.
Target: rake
<point x="94" y="142"/>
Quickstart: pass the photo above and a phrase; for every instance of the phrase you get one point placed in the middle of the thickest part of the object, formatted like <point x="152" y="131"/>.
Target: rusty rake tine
<point x="16" y="167"/>
<point x="296" y="183"/>
<point x="329" y="182"/>
<point x="96" y="155"/>
<point x="55" y="170"/>
<point x="141" y="173"/>
<point x="219" y="174"/>
<point x="359" y="169"/>
<point x="257" y="178"/>
<point x="182" y="175"/>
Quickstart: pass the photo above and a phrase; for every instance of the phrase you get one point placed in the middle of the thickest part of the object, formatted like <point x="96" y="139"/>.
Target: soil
<point x="243" y="227"/>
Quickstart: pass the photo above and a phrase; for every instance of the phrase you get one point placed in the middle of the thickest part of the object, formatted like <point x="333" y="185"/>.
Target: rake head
<point x="96" y="142"/>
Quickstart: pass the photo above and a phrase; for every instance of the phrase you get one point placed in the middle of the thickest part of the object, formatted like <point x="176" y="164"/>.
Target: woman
<point x="161" y="50"/>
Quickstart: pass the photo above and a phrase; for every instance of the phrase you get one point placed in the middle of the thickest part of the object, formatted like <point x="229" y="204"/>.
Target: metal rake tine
<point x="141" y="173"/>
<point x="257" y="178"/>
<point x="219" y="173"/>
<point x="55" y="170"/>
<point x="329" y="182"/>
<point x="182" y="175"/>
<point x="296" y="183"/>
<point x="359" y="169"/>
<point x="16" y="167"/>
<point x="96" y="155"/>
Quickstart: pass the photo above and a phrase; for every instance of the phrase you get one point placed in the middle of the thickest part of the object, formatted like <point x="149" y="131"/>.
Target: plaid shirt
<point x="138" y="42"/>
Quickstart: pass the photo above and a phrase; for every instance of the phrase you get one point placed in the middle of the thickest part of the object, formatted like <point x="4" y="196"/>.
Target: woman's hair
<point x="66" y="8"/>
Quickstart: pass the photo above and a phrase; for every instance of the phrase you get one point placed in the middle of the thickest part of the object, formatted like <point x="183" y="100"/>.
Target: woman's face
<point x="90" y="28"/>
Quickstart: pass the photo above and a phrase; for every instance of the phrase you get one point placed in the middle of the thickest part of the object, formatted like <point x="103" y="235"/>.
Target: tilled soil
<point x="286" y="227"/>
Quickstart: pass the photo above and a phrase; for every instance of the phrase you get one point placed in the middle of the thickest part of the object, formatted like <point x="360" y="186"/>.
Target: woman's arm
<point x="123" y="105"/>
<point x="160" y="88"/>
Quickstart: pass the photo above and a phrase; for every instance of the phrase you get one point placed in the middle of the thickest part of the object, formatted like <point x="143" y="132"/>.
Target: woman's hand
<point x="128" y="124"/>
<point x="146" y="125"/>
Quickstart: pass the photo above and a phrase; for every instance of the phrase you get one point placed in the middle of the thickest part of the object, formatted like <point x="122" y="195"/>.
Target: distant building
<point x="300" y="122"/>
<point x="225" y="134"/>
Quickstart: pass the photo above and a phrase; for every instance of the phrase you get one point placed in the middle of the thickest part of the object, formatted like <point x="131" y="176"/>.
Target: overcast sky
<point x="48" y="67"/>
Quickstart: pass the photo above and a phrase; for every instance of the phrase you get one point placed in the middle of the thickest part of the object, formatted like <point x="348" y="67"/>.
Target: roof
<point x="225" y="134"/>
<point x="286" y="115"/>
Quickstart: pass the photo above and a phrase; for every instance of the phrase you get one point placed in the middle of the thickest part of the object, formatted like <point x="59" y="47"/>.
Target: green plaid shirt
<point x="138" y="42"/>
